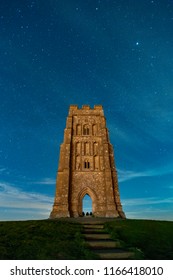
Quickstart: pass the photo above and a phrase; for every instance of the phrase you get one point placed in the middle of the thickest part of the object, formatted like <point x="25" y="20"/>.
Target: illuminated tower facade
<point x="86" y="166"/>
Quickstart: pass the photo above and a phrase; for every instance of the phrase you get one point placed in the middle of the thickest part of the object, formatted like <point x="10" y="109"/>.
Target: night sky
<point x="117" y="53"/>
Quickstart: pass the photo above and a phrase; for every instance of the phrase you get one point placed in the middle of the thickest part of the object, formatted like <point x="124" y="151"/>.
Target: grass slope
<point x="153" y="239"/>
<point x="42" y="240"/>
<point x="47" y="239"/>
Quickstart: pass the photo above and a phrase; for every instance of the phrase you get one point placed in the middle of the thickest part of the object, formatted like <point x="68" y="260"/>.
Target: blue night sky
<point x="117" y="53"/>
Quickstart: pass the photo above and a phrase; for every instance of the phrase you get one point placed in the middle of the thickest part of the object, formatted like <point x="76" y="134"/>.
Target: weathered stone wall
<point x="86" y="166"/>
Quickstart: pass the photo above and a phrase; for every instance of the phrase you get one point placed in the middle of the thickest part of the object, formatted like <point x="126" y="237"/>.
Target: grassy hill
<point x="49" y="239"/>
<point x="153" y="239"/>
<point x="42" y="240"/>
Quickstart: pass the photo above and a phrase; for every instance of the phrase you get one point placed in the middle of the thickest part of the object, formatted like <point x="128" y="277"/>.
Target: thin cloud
<point x="149" y="208"/>
<point x="2" y="169"/>
<point x="151" y="213"/>
<point x="125" y="175"/>
<point x="45" y="181"/>
<point x="14" y="197"/>
<point x="146" y="201"/>
<point x="13" y="214"/>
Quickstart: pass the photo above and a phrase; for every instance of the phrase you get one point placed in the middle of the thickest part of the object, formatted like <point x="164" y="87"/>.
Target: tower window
<point x="86" y="164"/>
<point x="86" y="130"/>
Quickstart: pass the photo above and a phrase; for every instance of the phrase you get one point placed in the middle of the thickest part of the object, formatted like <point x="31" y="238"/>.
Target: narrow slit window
<point x="86" y="130"/>
<point x="86" y="164"/>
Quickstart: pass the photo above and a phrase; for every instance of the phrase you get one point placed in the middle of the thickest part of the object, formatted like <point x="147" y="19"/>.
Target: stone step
<point x="93" y="230"/>
<point x="114" y="254"/>
<point x="93" y="226"/>
<point x="99" y="244"/>
<point x="102" y="245"/>
<point x="90" y="236"/>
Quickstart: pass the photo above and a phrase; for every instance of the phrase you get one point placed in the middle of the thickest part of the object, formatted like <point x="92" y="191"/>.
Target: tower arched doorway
<point x="86" y="205"/>
<point x="84" y="194"/>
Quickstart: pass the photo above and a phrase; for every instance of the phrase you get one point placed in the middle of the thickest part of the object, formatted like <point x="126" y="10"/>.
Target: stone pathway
<point x="101" y="243"/>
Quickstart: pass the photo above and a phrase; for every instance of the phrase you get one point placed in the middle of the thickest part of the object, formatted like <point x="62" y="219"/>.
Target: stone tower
<point x="86" y="166"/>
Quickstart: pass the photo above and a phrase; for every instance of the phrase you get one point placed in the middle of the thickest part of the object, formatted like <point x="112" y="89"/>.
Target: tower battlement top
<point x="75" y="109"/>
